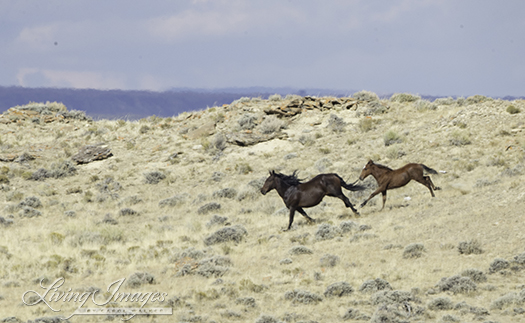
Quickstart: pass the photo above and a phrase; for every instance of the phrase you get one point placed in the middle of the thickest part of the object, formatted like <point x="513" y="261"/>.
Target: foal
<point x="388" y="178"/>
<point x="296" y="194"/>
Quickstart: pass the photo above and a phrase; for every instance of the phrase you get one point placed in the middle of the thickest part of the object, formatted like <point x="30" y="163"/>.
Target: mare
<point x="387" y="178"/>
<point x="296" y="194"/>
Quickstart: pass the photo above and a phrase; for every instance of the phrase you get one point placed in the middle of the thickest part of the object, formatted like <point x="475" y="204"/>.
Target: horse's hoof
<point x="437" y="189"/>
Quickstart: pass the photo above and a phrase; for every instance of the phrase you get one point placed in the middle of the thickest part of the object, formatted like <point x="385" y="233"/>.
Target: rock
<point x="249" y="139"/>
<point x="205" y="130"/>
<point x="90" y="153"/>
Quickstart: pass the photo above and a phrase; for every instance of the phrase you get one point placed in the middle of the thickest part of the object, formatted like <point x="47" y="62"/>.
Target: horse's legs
<point x="300" y="210"/>
<point x="348" y="203"/>
<point x="433" y="186"/>
<point x="377" y="191"/>
<point x="292" y="212"/>
<point x="384" y="199"/>
<point x="427" y="182"/>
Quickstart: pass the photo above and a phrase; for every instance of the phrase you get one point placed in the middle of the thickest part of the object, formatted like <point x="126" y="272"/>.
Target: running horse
<point x="388" y="179"/>
<point x="296" y="194"/>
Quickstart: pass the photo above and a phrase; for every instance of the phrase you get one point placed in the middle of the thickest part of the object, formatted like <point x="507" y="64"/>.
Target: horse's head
<point x="269" y="184"/>
<point x="367" y="170"/>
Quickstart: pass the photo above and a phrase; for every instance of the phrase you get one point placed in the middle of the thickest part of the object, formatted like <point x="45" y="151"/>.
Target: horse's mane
<point x="292" y="180"/>
<point x="383" y="166"/>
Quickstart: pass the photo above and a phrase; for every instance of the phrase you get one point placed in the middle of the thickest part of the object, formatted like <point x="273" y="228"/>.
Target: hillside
<point x="177" y="209"/>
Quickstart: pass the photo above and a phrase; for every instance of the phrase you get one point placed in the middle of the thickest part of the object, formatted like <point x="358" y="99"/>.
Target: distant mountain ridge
<point x="120" y="104"/>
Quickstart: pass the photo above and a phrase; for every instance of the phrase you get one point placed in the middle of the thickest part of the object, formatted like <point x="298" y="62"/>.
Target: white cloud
<point x="39" y="37"/>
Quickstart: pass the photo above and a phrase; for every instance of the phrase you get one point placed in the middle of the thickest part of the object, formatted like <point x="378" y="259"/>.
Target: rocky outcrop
<point x="90" y="153"/>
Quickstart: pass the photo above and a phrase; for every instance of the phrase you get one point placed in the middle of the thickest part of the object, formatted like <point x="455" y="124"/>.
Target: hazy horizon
<point x="435" y="48"/>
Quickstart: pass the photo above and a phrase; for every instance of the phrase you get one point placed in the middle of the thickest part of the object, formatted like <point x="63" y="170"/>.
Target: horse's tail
<point x="350" y="187"/>
<point x="428" y="169"/>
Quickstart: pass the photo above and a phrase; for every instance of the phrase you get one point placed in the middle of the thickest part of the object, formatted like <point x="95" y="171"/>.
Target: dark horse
<point x="387" y="178"/>
<point x="297" y="194"/>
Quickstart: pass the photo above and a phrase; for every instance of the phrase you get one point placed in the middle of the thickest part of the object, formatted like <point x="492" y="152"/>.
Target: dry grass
<point x="136" y="216"/>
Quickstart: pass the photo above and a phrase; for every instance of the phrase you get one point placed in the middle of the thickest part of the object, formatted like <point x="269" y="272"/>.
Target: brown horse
<point x="388" y="178"/>
<point x="297" y="194"/>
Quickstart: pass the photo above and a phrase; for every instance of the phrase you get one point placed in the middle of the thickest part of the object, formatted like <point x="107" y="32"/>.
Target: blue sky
<point x="446" y="47"/>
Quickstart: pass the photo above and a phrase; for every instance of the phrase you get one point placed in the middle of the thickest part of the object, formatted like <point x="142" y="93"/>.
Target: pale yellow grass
<point x="477" y="202"/>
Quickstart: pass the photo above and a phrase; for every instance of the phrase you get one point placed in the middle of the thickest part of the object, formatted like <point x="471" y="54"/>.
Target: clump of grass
<point x="470" y="247"/>
<point x="374" y="107"/>
<point x="392" y="137"/>
<point x="338" y="289"/>
<point x="460" y="138"/>
<point x="513" y="110"/>
<point x="422" y="105"/>
<point x="31" y="201"/>
<point x="250" y="286"/>
<point x="404" y="97"/>
<point x="413" y="250"/>
<point x="174" y="200"/>
<point x="127" y="212"/>
<point x="325" y="151"/>
<point x="323" y="164"/>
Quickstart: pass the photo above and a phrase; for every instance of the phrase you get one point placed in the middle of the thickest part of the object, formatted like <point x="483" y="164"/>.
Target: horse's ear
<point x="272" y="172"/>
<point x="370" y="162"/>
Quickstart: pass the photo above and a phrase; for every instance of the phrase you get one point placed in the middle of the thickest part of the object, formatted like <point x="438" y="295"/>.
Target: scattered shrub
<point x="247" y="121"/>
<point x="505" y="301"/>
<point x="306" y="140"/>
<point x="336" y="124"/>
<point x="347" y="226"/>
<point x="329" y="260"/>
<point x="234" y="233"/>
<point x="209" y="207"/>
<point x="326" y="231"/>
<point x="457" y="284"/>
<point x="243" y="168"/>
<point x="323" y="164"/>
<point x="476" y="99"/>
<point x="267" y="319"/>
<point x="213" y="267"/>
<point x="374" y="107"/>
<point x="301" y="296"/>
<point x="173" y="201"/>
<point x="31" y="201"/>
<point x="246" y="301"/>
<point x="391" y="297"/>
<point x="285" y="261"/>
<point x="154" y="177"/>
<point x="391" y="137"/>
<point x="470" y="247"/>
<point x="414" y="250"/>
<point x="127" y="211"/>
<point x="228" y="193"/>
<point x="29" y="212"/>
<point x="353" y="314"/>
<point x="271" y="124"/>
<point x="498" y="265"/>
<point x="70" y="213"/>
<point x="460" y="138"/>
<point x="513" y="110"/>
<point x="139" y="279"/>
<point x="365" y="96"/>
<point x="476" y="275"/>
<point x="300" y="250"/>
<point x="440" y="304"/>
<point x="375" y="285"/>
<point x="217" y="220"/>
<point x="338" y="289"/>
<point x="404" y="97"/>
<point x="444" y="101"/>
<point x="144" y="129"/>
